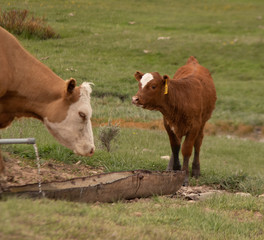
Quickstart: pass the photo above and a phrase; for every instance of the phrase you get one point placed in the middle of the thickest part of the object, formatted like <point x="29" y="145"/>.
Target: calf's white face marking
<point x="75" y="132"/>
<point x="147" y="77"/>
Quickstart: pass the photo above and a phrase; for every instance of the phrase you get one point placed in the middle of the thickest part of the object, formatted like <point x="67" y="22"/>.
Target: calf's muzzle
<point x="135" y="100"/>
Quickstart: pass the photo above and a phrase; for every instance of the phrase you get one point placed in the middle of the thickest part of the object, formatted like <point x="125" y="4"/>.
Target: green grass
<point x="221" y="217"/>
<point x="99" y="45"/>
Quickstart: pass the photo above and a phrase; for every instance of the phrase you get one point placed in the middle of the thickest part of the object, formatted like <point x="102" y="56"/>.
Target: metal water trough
<point x="106" y="187"/>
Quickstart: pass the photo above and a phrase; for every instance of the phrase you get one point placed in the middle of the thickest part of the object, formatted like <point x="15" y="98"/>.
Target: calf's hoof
<point x="175" y="168"/>
<point x="186" y="181"/>
<point x="196" y="173"/>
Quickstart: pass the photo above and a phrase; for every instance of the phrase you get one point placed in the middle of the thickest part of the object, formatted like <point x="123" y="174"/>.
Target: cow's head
<point x="152" y="88"/>
<point x="69" y="119"/>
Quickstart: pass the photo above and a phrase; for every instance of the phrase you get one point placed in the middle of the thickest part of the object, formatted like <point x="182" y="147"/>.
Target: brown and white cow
<point x="186" y="102"/>
<point x="30" y="89"/>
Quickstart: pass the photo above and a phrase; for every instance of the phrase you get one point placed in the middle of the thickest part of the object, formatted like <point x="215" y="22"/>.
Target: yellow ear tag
<point x="166" y="87"/>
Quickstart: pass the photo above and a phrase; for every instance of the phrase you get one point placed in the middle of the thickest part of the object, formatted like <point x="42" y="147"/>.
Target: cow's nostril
<point x="91" y="152"/>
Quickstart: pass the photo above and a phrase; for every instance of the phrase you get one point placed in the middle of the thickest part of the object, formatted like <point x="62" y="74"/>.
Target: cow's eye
<point x="83" y="116"/>
<point x="153" y="86"/>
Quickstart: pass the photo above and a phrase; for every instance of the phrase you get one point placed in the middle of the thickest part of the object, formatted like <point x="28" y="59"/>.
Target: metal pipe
<point x="18" y="141"/>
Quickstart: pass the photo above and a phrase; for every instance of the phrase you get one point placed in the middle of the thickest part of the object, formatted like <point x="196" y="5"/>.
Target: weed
<point x="107" y="134"/>
<point x="232" y="182"/>
<point x="18" y="22"/>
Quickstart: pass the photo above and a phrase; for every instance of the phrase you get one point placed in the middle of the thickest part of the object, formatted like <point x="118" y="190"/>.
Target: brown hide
<point x="186" y="107"/>
<point x="28" y="88"/>
<point x="27" y="85"/>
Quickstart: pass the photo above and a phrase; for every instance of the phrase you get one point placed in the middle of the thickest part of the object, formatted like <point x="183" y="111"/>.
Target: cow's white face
<point x="75" y="131"/>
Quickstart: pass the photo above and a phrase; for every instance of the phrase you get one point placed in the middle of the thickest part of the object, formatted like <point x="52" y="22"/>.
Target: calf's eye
<point x="83" y="116"/>
<point x="153" y="86"/>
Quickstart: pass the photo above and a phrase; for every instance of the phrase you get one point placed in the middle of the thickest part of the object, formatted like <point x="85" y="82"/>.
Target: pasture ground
<point x="105" y="42"/>
<point x="219" y="216"/>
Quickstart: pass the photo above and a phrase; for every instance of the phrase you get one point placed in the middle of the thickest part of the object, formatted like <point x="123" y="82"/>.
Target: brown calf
<point x="186" y="102"/>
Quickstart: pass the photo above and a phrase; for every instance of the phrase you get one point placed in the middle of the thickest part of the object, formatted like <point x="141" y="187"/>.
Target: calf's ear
<point x="138" y="75"/>
<point x="165" y="82"/>
<point x="165" y="78"/>
<point x="70" y="85"/>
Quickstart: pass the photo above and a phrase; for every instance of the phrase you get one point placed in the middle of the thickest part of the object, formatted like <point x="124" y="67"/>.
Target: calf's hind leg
<point x="187" y="152"/>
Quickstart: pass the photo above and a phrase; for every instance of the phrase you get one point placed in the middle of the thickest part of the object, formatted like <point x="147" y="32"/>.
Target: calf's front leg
<point x="175" y="142"/>
<point x="174" y="163"/>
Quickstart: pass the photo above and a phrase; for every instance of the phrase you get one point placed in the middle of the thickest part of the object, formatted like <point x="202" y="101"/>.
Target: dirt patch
<point x="195" y="193"/>
<point x="20" y="172"/>
<point x="157" y="124"/>
<point x="246" y="216"/>
<point x="221" y="127"/>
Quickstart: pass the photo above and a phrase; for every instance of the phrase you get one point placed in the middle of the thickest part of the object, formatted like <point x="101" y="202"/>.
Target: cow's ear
<point x="70" y="85"/>
<point x="138" y="75"/>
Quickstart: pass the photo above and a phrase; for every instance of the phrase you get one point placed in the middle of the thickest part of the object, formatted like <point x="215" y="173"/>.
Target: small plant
<point x="107" y="134"/>
<point x="233" y="182"/>
<point x="18" y="22"/>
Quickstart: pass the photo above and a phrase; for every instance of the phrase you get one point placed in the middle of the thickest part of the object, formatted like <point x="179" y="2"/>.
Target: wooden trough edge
<point x="106" y="187"/>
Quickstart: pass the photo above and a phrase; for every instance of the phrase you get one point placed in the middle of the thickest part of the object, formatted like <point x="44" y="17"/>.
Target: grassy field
<point x="225" y="217"/>
<point x="105" y="42"/>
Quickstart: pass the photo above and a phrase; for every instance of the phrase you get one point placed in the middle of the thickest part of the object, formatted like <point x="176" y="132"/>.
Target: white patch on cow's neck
<point x="147" y="77"/>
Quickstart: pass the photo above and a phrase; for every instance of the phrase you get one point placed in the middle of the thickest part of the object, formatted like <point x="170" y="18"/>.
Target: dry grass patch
<point x="19" y="22"/>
